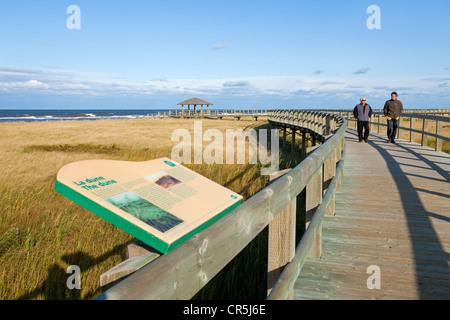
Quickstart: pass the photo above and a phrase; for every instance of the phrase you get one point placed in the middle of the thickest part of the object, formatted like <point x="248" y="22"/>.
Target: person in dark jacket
<point x="393" y="109"/>
<point x="362" y="113"/>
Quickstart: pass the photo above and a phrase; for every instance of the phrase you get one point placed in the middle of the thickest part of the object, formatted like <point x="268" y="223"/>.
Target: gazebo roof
<point x="195" y="101"/>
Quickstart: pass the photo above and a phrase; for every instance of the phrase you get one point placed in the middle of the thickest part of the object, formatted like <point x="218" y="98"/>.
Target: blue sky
<point x="153" y="54"/>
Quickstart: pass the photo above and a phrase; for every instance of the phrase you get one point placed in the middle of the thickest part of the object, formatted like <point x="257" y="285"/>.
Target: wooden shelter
<point x="194" y="102"/>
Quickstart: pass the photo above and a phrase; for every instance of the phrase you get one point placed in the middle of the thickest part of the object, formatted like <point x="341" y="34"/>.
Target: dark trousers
<point x="392" y="128"/>
<point x="363" y="125"/>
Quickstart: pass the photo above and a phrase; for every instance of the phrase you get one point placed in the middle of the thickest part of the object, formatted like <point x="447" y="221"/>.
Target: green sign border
<point x="129" y="227"/>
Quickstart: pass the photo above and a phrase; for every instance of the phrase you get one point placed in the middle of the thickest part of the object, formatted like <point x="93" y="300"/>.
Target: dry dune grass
<point x="42" y="233"/>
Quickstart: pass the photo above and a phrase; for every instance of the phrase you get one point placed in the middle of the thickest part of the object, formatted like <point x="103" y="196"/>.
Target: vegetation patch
<point x="76" y="148"/>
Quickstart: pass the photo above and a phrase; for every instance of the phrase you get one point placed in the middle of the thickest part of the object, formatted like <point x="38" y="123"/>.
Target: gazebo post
<point x="195" y="102"/>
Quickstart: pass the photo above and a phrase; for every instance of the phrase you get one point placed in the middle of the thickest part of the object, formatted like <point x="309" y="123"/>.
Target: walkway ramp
<point x="393" y="212"/>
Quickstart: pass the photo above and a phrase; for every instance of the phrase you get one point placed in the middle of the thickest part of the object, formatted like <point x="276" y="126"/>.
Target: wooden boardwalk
<point x="393" y="211"/>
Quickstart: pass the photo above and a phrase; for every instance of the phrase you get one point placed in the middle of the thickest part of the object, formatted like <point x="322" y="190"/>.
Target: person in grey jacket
<point x="393" y="109"/>
<point x="362" y="113"/>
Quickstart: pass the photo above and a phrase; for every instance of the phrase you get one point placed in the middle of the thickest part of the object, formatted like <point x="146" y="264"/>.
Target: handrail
<point x="291" y="272"/>
<point x="212" y="112"/>
<point x="424" y="132"/>
<point x="185" y="270"/>
<point x="415" y="111"/>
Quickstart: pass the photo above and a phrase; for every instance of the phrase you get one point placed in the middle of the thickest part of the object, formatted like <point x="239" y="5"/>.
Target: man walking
<point x="362" y="113"/>
<point x="393" y="109"/>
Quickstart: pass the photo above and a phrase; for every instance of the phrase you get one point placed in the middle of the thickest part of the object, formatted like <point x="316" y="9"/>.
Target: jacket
<point x="362" y="113"/>
<point x="393" y="108"/>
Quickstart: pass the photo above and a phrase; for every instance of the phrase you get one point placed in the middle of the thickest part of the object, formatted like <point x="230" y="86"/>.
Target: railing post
<point x="317" y="119"/>
<point x="281" y="240"/>
<point x="293" y="140"/>
<point x="424" y="129"/>
<point x="327" y="125"/>
<point x="411" y="128"/>
<point x="338" y="159"/>
<point x="379" y="123"/>
<point x="438" y="132"/>
<point x="332" y="124"/>
<point x="309" y="117"/>
<point x="303" y="144"/>
<point x="319" y="122"/>
<point x="313" y="200"/>
<point x="329" y="171"/>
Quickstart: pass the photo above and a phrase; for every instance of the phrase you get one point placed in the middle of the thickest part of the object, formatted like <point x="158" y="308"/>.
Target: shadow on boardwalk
<point x="431" y="259"/>
<point x="392" y="212"/>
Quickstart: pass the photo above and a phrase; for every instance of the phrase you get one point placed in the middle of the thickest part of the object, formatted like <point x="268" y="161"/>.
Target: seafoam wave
<point x="78" y="115"/>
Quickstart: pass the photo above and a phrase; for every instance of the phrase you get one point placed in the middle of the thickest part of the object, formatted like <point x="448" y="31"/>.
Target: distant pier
<point x="236" y="114"/>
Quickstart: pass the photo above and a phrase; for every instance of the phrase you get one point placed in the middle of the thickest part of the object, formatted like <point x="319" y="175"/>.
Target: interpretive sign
<point x="160" y="202"/>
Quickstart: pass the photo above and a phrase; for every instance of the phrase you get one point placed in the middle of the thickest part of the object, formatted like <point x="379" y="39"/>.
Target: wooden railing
<point x="324" y="167"/>
<point x="428" y="120"/>
<point x="181" y="273"/>
<point x="213" y="113"/>
<point x="443" y="112"/>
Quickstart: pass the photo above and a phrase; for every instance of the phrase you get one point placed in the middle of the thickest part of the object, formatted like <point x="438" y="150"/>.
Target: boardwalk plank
<point x="393" y="211"/>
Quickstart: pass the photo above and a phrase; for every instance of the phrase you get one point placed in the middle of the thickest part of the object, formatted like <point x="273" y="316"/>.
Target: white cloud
<point x="31" y="84"/>
<point x="236" y="84"/>
<point x="279" y="88"/>
<point x="361" y="71"/>
<point x="35" y="84"/>
<point x="219" y="46"/>
<point x="74" y="86"/>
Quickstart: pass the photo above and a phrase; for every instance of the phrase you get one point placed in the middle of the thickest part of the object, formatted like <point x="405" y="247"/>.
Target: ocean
<point x="27" y="115"/>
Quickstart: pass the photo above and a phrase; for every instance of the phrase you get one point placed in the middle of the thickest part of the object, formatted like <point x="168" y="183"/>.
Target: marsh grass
<point x="42" y="232"/>
<point x="78" y="148"/>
